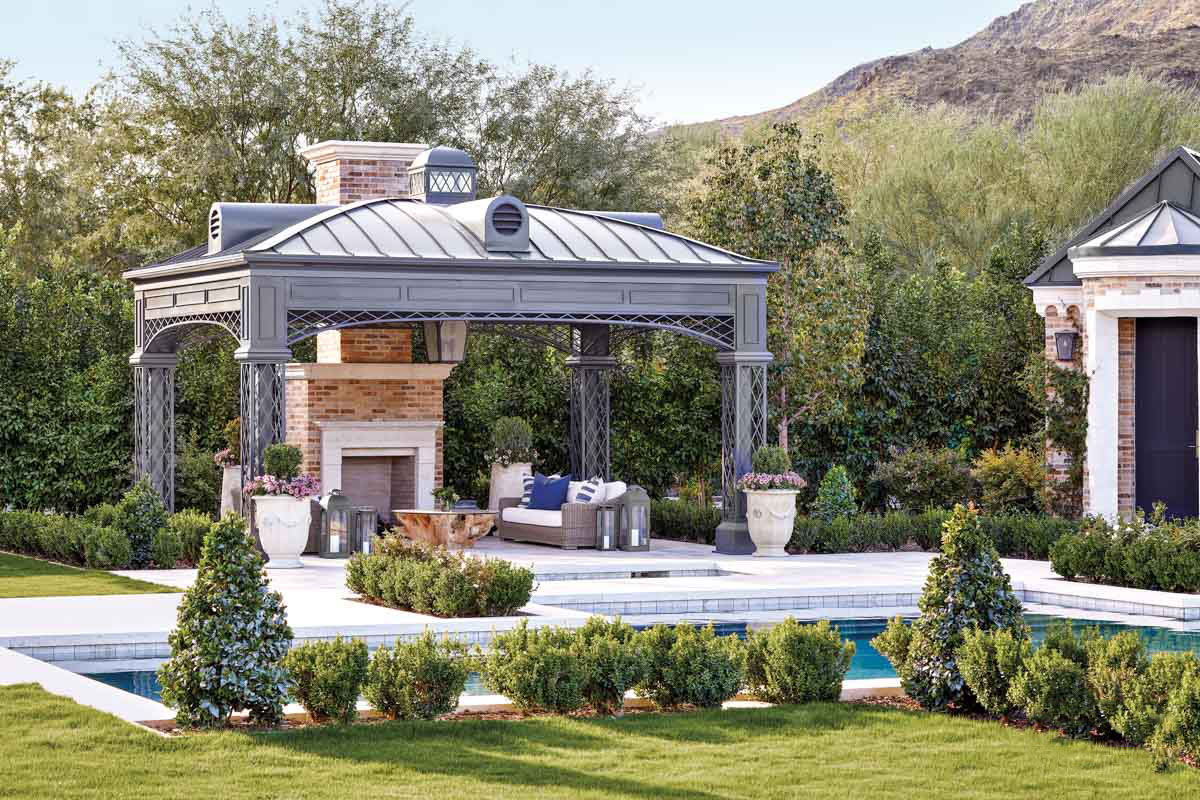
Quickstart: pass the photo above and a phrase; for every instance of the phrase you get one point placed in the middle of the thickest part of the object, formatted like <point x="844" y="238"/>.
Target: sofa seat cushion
<point x="533" y="516"/>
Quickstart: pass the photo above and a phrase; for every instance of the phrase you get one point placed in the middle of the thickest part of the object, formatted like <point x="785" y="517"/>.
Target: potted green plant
<point x="511" y="456"/>
<point x="231" y="473"/>
<point x="771" y="491"/>
<point x="445" y="498"/>
<point x="282" y="508"/>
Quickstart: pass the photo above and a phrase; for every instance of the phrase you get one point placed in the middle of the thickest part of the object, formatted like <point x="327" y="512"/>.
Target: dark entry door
<point x="1165" y="421"/>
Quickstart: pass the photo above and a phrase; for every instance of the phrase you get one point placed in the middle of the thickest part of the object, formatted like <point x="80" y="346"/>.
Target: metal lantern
<point x="362" y="532"/>
<point x="1064" y="343"/>
<point x="634" y="513"/>
<point x="446" y="342"/>
<point x="336" y="513"/>
<point x="606" y="527"/>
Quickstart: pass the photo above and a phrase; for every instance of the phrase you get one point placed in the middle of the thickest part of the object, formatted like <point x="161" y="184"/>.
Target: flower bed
<point x="431" y="580"/>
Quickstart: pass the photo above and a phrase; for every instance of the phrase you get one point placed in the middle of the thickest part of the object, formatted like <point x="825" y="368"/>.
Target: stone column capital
<point x="141" y="358"/>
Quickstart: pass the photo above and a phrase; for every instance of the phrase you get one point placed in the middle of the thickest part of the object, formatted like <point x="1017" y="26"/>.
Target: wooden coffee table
<point x="452" y="529"/>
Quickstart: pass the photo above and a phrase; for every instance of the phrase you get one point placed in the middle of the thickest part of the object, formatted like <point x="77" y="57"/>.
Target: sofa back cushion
<point x="587" y="491"/>
<point x="614" y="490"/>
<point x="548" y="494"/>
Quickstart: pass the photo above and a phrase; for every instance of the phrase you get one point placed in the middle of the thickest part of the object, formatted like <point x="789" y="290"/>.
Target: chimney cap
<point x="442" y="156"/>
<point x="332" y="149"/>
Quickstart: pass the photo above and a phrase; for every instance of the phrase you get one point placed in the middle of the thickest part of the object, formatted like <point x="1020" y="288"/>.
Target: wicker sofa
<point x="572" y="526"/>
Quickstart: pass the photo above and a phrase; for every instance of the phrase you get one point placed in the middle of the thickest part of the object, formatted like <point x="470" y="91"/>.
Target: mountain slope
<point x="1005" y="68"/>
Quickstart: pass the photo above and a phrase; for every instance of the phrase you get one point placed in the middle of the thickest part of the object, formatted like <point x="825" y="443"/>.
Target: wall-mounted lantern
<point x="1064" y="343"/>
<point x="446" y="342"/>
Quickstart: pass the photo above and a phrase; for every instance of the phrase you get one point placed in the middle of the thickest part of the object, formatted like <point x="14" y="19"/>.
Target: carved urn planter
<point x="507" y="482"/>
<point x="282" y="528"/>
<point x="770" y="514"/>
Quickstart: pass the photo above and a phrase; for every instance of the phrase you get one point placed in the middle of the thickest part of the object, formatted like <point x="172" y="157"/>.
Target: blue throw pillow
<point x="548" y="494"/>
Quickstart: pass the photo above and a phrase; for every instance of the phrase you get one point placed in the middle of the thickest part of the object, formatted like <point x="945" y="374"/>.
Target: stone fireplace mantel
<point x="343" y="439"/>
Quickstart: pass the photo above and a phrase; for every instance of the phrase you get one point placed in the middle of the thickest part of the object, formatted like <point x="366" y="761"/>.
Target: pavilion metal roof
<point x="406" y="230"/>
<point x="1163" y="229"/>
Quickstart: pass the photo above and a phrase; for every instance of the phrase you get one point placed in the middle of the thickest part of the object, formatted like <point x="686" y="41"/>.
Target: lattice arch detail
<point x="164" y="334"/>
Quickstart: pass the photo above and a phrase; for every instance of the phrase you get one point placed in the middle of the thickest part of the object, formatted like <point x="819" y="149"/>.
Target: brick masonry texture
<point x="348" y="180"/>
<point x="365" y="346"/>
<point x="1058" y="463"/>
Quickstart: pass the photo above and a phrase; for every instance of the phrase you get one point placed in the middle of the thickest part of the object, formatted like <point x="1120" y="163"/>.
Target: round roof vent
<point x="506" y="219"/>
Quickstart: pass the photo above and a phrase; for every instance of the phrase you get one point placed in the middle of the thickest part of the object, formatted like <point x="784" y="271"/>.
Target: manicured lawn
<point x="32" y="577"/>
<point x="52" y="747"/>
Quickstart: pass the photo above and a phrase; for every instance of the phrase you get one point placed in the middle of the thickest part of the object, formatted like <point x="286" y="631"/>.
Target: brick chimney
<point x="347" y="172"/>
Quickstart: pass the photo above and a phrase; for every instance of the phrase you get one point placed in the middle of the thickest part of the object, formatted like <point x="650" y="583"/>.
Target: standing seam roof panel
<point x="420" y="239"/>
<point x="351" y="237"/>
<point x="443" y="229"/>
<point x="583" y="248"/>
<point x="390" y="236"/>
<point x="552" y="245"/>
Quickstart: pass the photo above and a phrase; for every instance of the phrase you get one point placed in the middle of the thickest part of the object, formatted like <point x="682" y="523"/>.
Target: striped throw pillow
<point x="590" y="491"/>
<point x="526" y="490"/>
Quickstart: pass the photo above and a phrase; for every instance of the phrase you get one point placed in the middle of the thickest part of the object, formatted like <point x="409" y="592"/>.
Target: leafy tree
<point x="230" y="637"/>
<point x="774" y="200"/>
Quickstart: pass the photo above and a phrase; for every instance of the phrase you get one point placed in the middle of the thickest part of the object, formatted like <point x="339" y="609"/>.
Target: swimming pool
<point x="867" y="662"/>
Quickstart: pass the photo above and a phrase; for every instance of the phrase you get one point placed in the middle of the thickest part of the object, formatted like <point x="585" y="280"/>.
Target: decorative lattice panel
<point x="164" y="333"/>
<point x="154" y="428"/>
<point x="590" y="422"/>
<point x="263" y="412"/>
<point x="743" y="429"/>
<point x="717" y="330"/>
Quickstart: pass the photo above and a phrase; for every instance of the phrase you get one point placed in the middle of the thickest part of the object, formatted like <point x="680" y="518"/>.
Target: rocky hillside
<point x="1006" y="67"/>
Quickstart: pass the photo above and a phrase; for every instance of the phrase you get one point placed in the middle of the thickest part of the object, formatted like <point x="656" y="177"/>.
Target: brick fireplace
<point x="368" y="420"/>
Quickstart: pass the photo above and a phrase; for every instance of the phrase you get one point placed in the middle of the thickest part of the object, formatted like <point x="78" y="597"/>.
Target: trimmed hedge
<point x="434" y="581"/>
<point x="1014" y="535"/>
<point x="70" y="540"/>
<point x="1155" y="554"/>
<point x="327" y="677"/>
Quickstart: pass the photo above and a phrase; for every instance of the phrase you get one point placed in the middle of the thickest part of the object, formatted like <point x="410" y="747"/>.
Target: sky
<point x="690" y="60"/>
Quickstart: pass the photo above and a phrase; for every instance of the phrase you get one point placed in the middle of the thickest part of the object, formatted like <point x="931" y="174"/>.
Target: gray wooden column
<point x="154" y="421"/>
<point x="591" y="368"/>
<point x="743" y="414"/>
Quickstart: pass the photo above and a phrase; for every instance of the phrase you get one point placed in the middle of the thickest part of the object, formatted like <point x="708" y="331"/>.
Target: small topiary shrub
<point x="230" y="638"/>
<point x="327" y="677"/>
<point x="1053" y="690"/>
<point x="539" y="669"/>
<point x="512" y="442"/>
<point x="422" y="679"/>
<point x="689" y="666"/>
<point x="1179" y="734"/>
<point x="614" y="663"/>
<point x="771" y="460"/>
<point x="1114" y="665"/>
<point x="1144" y="699"/>
<point x="191" y="527"/>
<point x="1011" y="480"/>
<point x="282" y="461"/>
<point x="1060" y="636"/>
<point x="104" y="515"/>
<point x="795" y="663"/>
<point x="966" y="588"/>
<point x="107" y="548"/>
<point x="835" y="497"/>
<point x="989" y="662"/>
<point x="167" y="548"/>
<point x="140" y="516"/>
<point x="921" y="478"/>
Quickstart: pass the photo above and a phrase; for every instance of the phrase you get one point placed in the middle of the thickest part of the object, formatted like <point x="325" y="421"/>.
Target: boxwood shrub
<point x="327" y="677"/>
<point x="684" y="521"/>
<point x="434" y="581"/>
<point x="795" y="663"/>
<point x="1157" y="554"/>
<point x="421" y="679"/>
<point x="539" y="669"/>
<point x="689" y="666"/>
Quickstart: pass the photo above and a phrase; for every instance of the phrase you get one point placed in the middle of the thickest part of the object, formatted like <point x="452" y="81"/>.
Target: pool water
<point x="867" y="662"/>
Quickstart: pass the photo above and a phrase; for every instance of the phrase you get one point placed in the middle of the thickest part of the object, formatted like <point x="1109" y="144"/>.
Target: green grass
<point x="52" y="747"/>
<point x="32" y="577"/>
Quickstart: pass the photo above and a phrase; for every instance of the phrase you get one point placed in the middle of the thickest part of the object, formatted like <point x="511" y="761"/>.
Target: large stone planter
<point x="506" y="482"/>
<point x="770" y="515"/>
<point x="231" y="490"/>
<point x="282" y="528"/>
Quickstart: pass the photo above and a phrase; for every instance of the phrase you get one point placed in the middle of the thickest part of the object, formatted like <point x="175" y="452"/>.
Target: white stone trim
<point x="1150" y="303"/>
<point x="369" y="371"/>
<point x="1061" y="297"/>
<point x="1162" y="265"/>
<point x="340" y="439"/>
<point x="335" y="149"/>
<point x="1103" y="413"/>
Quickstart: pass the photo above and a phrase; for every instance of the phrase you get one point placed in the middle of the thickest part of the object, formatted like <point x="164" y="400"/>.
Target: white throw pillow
<point x="591" y="491"/>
